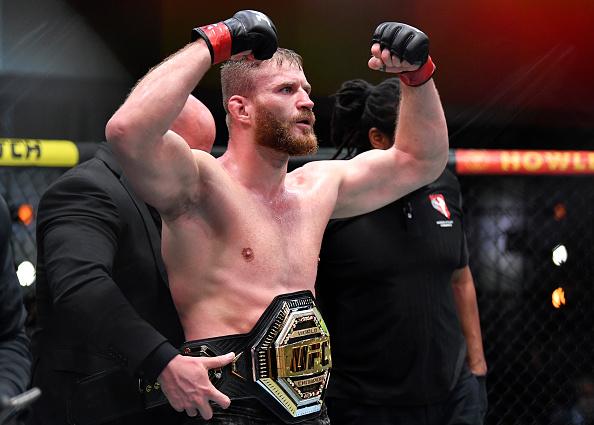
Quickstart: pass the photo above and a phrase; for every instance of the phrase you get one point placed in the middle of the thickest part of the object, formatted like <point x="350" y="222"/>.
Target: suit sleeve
<point x="15" y="358"/>
<point x="78" y="232"/>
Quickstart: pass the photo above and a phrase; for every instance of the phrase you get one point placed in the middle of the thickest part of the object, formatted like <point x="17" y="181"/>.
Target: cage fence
<point x="536" y="317"/>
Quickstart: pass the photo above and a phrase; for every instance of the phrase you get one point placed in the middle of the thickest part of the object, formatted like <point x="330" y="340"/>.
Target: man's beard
<point x="276" y="134"/>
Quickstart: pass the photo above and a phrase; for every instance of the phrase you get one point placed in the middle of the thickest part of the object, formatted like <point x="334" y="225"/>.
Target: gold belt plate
<point x="292" y="361"/>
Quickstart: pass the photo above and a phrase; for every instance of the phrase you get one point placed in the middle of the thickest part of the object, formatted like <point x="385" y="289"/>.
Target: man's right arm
<point x="163" y="170"/>
<point x="158" y="162"/>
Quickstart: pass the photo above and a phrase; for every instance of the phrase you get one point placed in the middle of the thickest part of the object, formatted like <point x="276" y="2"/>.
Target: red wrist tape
<point x="420" y="76"/>
<point x="220" y="40"/>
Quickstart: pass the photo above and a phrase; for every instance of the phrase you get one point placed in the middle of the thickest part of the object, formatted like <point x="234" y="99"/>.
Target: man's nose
<point x="305" y="101"/>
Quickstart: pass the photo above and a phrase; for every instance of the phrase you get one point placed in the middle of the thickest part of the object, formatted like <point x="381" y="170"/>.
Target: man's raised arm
<point x="420" y="150"/>
<point x="157" y="161"/>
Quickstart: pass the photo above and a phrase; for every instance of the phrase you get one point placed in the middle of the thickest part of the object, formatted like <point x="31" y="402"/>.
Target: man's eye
<point x="287" y="89"/>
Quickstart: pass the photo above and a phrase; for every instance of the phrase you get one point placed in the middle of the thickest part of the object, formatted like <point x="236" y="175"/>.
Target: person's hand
<point x="185" y="383"/>
<point x="404" y="50"/>
<point x="248" y="31"/>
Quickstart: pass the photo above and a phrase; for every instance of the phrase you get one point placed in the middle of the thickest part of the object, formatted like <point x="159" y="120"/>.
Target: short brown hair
<point x="238" y="77"/>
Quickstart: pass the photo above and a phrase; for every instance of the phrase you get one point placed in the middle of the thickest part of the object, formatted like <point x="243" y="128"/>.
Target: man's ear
<point x="239" y="108"/>
<point x="378" y="139"/>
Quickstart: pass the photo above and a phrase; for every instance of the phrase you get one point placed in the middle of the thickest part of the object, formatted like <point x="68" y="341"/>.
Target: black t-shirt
<point x="384" y="290"/>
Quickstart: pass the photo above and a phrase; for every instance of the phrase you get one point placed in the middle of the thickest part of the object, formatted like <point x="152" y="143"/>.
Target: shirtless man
<point x="239" y="230"/>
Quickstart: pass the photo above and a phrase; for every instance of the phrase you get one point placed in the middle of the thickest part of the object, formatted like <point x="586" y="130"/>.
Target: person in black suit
<point x="106" y="317"/>
<point x="15" y="358"/>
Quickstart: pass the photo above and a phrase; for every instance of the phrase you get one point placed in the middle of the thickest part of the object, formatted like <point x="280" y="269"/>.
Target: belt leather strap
<point x="284" y="361"/>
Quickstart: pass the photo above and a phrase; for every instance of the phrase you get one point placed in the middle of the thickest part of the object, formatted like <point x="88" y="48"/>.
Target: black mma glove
<point x="246" y="30"/>
<point x="407" y="44"/>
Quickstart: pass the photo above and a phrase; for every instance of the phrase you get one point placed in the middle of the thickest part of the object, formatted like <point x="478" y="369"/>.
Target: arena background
<point x="513" y="74"/>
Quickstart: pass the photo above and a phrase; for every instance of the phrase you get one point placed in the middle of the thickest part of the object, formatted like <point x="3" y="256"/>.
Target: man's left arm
<point x="468" y="314"/>
<point x="420" y="150"/>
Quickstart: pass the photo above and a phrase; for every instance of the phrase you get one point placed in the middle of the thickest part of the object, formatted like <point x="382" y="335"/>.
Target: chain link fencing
<point x="540" y="357"/>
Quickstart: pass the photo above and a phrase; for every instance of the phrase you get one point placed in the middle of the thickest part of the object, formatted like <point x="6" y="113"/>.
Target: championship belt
<point x="284" y="361"/>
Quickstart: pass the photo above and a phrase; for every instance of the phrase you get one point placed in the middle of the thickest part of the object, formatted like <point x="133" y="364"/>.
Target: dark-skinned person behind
<point x="396" y="291"/>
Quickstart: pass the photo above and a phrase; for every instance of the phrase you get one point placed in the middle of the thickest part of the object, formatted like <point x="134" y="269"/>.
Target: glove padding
<point x="407" y="44"/>
<point x="246" y="30"/>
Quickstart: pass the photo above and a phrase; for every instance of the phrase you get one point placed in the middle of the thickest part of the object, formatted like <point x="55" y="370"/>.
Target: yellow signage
<point x="38" y="153"/>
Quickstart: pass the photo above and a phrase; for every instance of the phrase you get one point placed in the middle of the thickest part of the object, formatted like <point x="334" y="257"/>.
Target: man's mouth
<point x="308" y="121"/>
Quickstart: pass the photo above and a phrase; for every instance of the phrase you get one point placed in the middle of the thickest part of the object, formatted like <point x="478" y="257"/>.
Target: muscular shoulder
<point x="316" y="172"/>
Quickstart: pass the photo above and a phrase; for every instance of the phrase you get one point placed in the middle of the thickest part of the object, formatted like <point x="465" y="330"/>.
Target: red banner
<point x="482" y="161"/>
